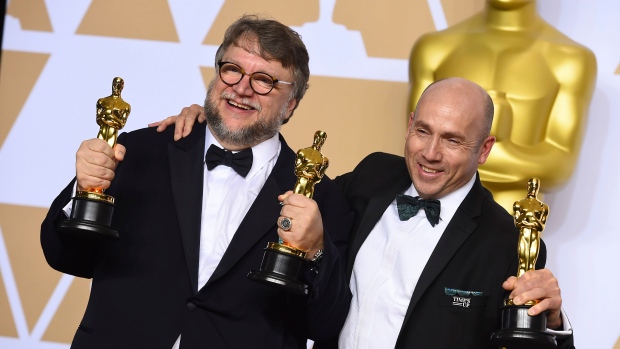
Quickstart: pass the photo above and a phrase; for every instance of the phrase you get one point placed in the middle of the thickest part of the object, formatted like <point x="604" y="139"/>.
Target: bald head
<point x="448" y="136"/>
<point x="465" y="94"/>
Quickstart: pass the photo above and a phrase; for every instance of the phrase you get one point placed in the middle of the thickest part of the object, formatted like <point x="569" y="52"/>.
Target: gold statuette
<point x="520" y="330"/>
<point x="530" y="216"/>
<point x="282" y="263"/>
<point x="112" y="113"/>
<point x="310" y="166"/>
<point x="91" y="214"/>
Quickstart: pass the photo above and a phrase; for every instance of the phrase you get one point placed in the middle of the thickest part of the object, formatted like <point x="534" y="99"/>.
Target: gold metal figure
<point x="541" y="83"/>
<point x="530" y="216"/>
<point x="310" y="166"/>
<point x="112" y="113"/>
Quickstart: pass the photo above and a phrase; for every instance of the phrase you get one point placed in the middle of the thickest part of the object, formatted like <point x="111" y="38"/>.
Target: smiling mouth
<point x="428" y="170"/>
<point x="240" y="106"/>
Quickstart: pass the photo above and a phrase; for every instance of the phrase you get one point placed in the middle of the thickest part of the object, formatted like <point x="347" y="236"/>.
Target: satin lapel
<point x="263" y="214"/>
<point x="186" y="174"/>
<point x="375" y="209"/>
<point x="457" y="231"/>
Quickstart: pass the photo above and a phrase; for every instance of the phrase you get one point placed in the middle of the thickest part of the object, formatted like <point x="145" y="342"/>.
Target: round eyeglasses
<point x="261" y="83"/>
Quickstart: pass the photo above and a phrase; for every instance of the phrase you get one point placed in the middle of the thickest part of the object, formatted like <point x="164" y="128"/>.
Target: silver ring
<point x="286" y="223"/>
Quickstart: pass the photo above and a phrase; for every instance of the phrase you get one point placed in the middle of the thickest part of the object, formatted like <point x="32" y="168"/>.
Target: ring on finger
<point x="286" y="223"/>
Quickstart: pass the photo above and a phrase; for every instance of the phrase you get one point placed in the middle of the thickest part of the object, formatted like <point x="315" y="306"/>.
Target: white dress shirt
<point x="226" y="199"/>
<point x="386" y="271"/>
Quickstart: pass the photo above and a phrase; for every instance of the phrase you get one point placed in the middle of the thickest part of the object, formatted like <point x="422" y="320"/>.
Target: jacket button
<point x="191" y="306"/>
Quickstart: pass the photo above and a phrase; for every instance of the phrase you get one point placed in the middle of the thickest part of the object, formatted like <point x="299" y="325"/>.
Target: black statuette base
<point x="521" y="331"/>
<point x="90" y="219"/>
<point x="281" y="270"/>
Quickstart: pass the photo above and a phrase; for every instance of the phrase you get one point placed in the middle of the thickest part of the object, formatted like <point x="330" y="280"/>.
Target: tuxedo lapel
<point x="263" y="214"/>
<point x="377" y="204"/>
<point x="458" y="230"/>
<point x="186" y="174"/>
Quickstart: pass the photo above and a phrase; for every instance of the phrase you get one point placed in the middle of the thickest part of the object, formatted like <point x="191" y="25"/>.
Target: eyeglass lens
<point x="231" y="74"/>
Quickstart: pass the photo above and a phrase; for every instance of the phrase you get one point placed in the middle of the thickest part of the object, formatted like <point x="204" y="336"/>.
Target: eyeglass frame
<point x="243" y="73"/>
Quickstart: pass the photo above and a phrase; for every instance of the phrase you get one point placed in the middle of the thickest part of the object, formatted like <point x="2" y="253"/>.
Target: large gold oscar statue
<point x="541" y="83"/>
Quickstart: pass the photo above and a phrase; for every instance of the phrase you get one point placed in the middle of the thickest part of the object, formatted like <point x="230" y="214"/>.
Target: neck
<point x="227" y="145"/>
<point x="512" y="17"/>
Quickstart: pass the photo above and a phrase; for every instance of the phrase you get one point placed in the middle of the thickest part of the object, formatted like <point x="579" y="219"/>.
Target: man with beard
<point x="190" y="230"/>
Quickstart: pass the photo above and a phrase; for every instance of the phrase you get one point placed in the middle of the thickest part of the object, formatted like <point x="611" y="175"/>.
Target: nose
<point x="243" y="87"/>
<point x="433" y="149"/>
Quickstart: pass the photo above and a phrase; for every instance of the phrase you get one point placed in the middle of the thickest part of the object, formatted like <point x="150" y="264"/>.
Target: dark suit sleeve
<point x="64" y="253"/>
<point x="328" y="301"/>
<point x="68" y="254"/>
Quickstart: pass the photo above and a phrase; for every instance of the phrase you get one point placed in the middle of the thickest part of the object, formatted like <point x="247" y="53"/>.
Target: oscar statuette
<point x="91" y="212"/>
<point x="283" y="264"/>
<point x="520" y="330"/>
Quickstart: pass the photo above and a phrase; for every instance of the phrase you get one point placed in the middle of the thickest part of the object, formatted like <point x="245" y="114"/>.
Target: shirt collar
<point x="451" y="202"/>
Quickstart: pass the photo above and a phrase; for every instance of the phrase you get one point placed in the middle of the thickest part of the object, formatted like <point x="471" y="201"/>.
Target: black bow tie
<point x="241" y="161"/>
<point x="409" y="206"/>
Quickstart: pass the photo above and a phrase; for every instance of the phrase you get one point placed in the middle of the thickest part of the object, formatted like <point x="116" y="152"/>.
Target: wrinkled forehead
<point x="453" y="110"/>
<point x="250" y="43"/>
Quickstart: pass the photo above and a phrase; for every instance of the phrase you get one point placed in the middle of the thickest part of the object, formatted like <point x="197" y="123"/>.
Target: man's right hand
<point x="538" y="285"/>
<point x="183" y="122"/>
<point x="95" y="162"/>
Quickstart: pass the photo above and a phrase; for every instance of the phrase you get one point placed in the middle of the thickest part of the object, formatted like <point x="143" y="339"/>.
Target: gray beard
<point x="248" y="136"/>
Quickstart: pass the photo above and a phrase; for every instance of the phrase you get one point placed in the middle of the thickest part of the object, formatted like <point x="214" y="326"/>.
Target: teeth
<point x="426" y="169"/>
<point x="240" y="105"/>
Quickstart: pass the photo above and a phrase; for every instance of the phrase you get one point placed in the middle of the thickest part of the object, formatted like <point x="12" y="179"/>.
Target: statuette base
<point x="90" y="219"/>
<point x="522" y="331"/>
<point x="282" y="270"/>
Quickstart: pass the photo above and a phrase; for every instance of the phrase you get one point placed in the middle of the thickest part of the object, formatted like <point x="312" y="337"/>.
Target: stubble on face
<point x="261" y="130"/>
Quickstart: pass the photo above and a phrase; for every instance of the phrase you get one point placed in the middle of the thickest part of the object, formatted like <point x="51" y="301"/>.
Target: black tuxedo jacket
<point x="477" y="252"/>
<point x="144" y="289"/>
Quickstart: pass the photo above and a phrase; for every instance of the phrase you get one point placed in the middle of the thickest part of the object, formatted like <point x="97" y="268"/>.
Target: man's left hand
<point x="306" y="232"/>
<point x="538" y="285"/>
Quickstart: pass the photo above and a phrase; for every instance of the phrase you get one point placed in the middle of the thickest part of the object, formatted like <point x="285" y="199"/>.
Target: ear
<point x="292" y="104"/>
<point x="410" y="123"/>
<point x="485" y="149"/>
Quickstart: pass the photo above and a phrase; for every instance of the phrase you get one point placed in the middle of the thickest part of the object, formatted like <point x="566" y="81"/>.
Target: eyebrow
<point x="239" y="64"/>
<point x="450" y="134"/>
